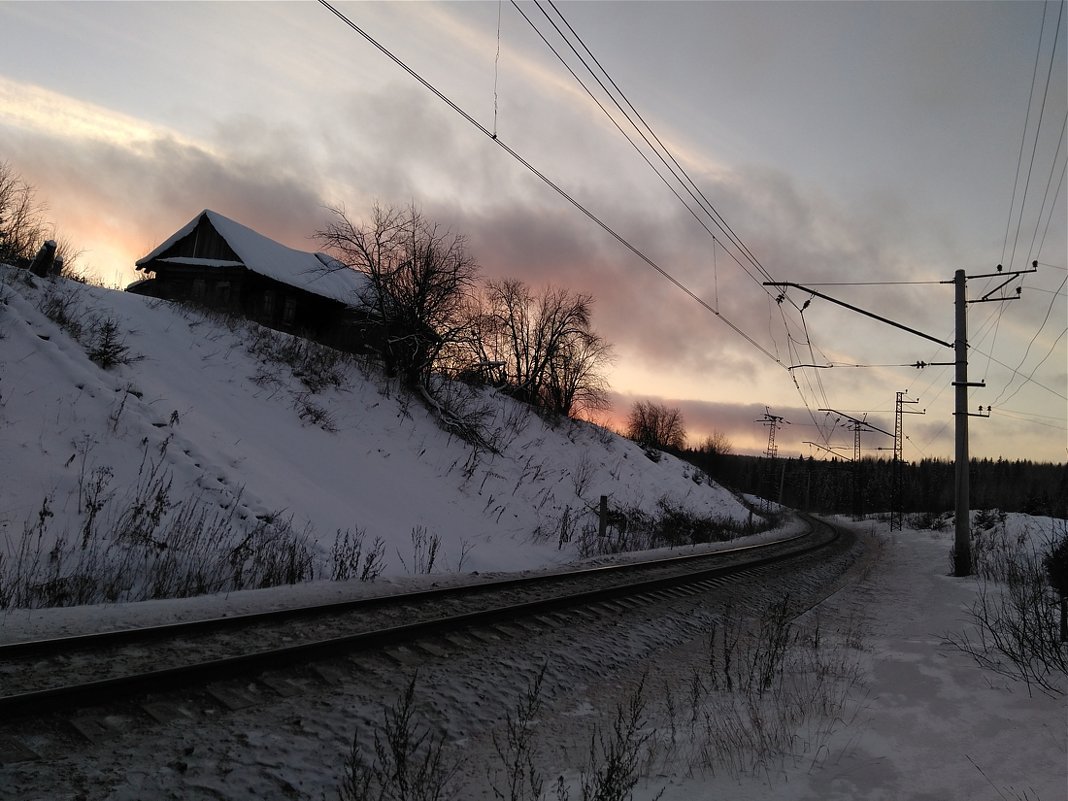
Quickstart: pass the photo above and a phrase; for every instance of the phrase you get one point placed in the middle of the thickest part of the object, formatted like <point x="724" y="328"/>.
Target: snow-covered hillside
<point x="199" y="417"/>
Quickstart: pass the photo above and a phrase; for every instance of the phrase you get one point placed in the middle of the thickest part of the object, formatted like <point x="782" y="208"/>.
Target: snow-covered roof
<point x="198" y="262"/>
<point x="312" y="272"/>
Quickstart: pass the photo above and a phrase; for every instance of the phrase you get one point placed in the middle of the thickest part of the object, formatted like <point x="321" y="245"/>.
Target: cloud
<point x="123" y="185"/>
<point x="116" y="186"/>
<point x="35" y="110"/>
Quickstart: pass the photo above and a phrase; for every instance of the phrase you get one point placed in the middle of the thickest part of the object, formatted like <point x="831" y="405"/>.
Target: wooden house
<point x="220" y="264"/>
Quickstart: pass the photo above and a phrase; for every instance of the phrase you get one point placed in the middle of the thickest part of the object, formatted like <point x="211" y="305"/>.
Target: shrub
<point x="517" y="748"/>
<point x="613" y="767"/>
<point x="425" y="548"/>
<point x="140" y="543"/>
<point x="106" y="346"/>
<point x="409" y="764"/>
<point x="1056" y="563"/>
<point x="99" y="335"/>
<point x="1015" y="629"/>
<point x="351" y="559"/>
<point x="935" y="521"/>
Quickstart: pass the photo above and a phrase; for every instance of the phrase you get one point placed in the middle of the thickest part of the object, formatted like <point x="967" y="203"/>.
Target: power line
<point x="1038" y="127"/>
<point x="717" y="218"/>
<point x="1036" y="419"/>
<point x="496" y="67"/>
<point x="870" y="283"/>
<point x="793" y="345"/>
<point x="619" y="128"/>
<point x="1053" y="205"/>
<point x="675" y="169"/>
<point x="1023" y="134"/>
<point x="545" y="179"/>
<point x="1029" y="379"/>
<point x="1037" y="137"/>
<point x="645" y="131"/>
<point x="1035" y="415"/>
<point x="1029" y="376"/>
<point x="1041" y="326"/>
<point x="1049" y="182"/>
<point x="678" y="173"/>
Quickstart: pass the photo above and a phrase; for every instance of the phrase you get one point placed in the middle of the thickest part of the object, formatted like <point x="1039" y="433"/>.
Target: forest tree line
<point x="927" y="486"/>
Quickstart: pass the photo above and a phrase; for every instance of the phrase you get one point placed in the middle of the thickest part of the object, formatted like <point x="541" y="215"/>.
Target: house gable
<point x="203" y="242"/>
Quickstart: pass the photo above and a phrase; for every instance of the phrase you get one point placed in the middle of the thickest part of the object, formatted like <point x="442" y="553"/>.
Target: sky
<point x="866" y="143"/>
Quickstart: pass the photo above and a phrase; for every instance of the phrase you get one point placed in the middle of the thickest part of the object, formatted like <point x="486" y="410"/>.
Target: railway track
<point x="71" y="673"/>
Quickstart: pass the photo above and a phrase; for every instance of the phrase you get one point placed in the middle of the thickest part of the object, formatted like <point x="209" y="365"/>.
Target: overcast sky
<point x="840" y="142"/>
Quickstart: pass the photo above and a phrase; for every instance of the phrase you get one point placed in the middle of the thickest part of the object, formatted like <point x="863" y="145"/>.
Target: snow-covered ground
<point x="920" y="721"/>
<point x="925" y="722"/>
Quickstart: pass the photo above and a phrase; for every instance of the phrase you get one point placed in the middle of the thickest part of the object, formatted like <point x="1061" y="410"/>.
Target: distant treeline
<point x="867" y="487"/>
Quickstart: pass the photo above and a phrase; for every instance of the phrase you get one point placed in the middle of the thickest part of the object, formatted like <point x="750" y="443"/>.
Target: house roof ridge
<point x="314" y="272"/>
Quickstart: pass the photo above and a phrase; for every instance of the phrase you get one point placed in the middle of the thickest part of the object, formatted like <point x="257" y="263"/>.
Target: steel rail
<point x="104" y="691"/>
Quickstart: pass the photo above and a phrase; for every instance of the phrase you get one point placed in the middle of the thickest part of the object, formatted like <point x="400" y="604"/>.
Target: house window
<point x="199" y="289"/>
<point x="268" y="303"/>
<point x="222" y="293"/>
<point x="289" y="311"/>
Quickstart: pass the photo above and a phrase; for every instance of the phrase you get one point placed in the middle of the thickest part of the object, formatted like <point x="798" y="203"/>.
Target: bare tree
<point x="577" y="382"/>
<point x="21" y="227"/>
<point x="716" y="444"/>
<point x="653" y="425"/>
<point x="419" y="277"/>
<point x="544" y="345"/>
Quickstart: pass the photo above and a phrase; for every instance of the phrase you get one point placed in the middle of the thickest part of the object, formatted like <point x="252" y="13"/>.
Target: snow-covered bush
<point x="1016" y="619"/>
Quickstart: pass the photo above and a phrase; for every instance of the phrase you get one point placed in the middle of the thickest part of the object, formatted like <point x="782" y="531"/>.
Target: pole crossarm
<point x="1008" y="276"/>
<point x="865" y="312"/>
<point x="1001" y="274"/>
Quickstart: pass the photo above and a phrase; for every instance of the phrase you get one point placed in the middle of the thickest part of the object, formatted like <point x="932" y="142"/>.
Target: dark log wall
<point x="279" y="306"/>
<point x="203" y="242"/>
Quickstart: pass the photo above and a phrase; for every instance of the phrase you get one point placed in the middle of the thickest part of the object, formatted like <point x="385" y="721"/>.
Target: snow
<point x="198" y="262"/>
<point x="929" y="724"/>
<point x="314" y="272"/>
<point x="226" y="426"/>
<point x="922" y="721"/>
